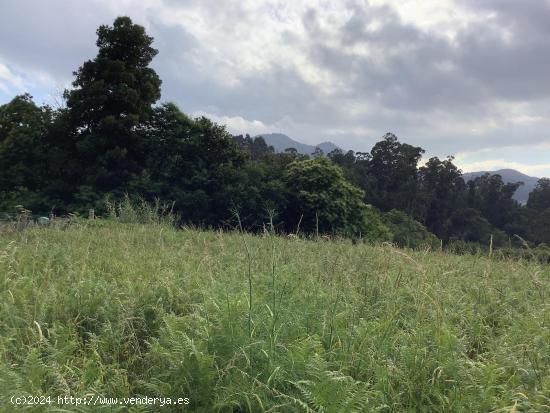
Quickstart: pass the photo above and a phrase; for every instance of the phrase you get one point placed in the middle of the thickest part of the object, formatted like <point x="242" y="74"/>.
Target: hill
<point x="510" y="176"/>
<point x="280" y="142"/>
<point x="247" y="323"/>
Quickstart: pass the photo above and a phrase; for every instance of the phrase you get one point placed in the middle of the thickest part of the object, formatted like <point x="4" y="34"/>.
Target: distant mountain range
<point x="280" y="142"/>
<point x="510" y="175"/>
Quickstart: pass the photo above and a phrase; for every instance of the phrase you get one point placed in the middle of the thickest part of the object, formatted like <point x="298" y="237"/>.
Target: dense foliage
<point x="112" y="139"/>
<point x="436" y="195"/>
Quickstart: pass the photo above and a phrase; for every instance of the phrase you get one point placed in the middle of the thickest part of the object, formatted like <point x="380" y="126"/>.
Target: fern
<point x="328" y="391"/>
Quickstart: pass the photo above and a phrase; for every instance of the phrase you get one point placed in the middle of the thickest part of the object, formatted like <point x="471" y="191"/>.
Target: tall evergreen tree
<point x="112" y="96"/>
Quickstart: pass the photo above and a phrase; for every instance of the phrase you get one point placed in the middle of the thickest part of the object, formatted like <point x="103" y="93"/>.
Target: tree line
<point x="111" y="139"/>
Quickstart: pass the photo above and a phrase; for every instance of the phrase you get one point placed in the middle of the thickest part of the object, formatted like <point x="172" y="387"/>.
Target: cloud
<point x="496" y="164"/>
<point x="529" y="159"/>
<point x="9" y="81"/>
<point x="237" y="125"/>
<point x="449" y="75"/>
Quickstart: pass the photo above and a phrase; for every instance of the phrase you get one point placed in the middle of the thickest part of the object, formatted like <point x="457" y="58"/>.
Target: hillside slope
<point x="248" y="323"/>
<point x="280" y="142"/>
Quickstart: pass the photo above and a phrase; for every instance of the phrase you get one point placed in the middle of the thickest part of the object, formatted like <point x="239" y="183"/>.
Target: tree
<point x="391" y="181"/>
<point x="540" y="227"/>
<point x="490" y="195"/>
<point x="257" y="148"/>
<point x="537" y="220"/>
<point x="343" y="160"/>
<point x="193" y="162"/>
<point x="317" y="152"/>
<point x="112" y="96"/>
<point x="442" y="192"/>
<point x="469" y="225"/>
<point x="354" y="165"/>
<point x="320" y="198"/>
<point x="539" y="198"/>
<point x="23" y="126"/>
<point x="407" y="232"/>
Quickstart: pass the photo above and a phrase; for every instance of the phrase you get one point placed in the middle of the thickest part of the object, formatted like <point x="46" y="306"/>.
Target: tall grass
<point x="142" y="212"/>
<point x="108" y="308"/>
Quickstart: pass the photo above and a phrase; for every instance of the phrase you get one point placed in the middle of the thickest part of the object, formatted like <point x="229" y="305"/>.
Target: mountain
<point x="280" y="142"/>
<point x="510" y="175"/>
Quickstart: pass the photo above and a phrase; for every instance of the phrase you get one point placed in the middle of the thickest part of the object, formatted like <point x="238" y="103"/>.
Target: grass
<point x="122" y="309"/>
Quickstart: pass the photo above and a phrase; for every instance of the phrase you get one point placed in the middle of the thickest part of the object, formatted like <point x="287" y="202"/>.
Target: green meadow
<point x="265" y="323"/>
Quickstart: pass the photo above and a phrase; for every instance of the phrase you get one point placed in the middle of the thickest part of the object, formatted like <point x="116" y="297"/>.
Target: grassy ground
<point x="242" y="323"/>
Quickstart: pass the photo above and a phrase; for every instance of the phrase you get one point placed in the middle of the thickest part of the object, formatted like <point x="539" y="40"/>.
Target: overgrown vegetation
<point x="121" y="308"/>
<point x="112" y="139"/>
<point x="331" y="318"/>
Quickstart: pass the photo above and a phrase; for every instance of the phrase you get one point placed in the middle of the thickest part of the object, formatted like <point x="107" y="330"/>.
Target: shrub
<point x="407" y="232"/>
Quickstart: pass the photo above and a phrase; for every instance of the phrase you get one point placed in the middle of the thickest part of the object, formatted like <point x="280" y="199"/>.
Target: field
<point x="249" y="323"/>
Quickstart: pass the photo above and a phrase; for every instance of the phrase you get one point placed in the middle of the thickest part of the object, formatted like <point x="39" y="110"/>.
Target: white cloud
<point x="433" y="14"/>
<point x="9" y="81"/>
<point x="238" y="125"/>
<point x="531" y="160"/>
<point x="442" y="74"/>
<point x="495" y="164"/>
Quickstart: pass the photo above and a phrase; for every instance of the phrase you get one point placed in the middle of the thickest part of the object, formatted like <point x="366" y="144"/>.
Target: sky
<point x="467" y="78"/>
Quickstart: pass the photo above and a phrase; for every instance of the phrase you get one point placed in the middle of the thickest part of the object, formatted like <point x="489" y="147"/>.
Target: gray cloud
<point x="511" y="65"/>
<point x="322" y="69"/>
<point x="51" y="37"/>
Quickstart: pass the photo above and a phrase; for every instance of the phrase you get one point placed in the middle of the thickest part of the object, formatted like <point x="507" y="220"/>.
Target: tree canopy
<point x="112" y="96"/>
<point x="113" y="139"/>
<point x="323" y="200"/>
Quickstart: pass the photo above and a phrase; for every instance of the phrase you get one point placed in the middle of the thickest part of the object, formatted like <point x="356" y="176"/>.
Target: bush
<point x="407" y="232"/>
<point x="322" y="200"/>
